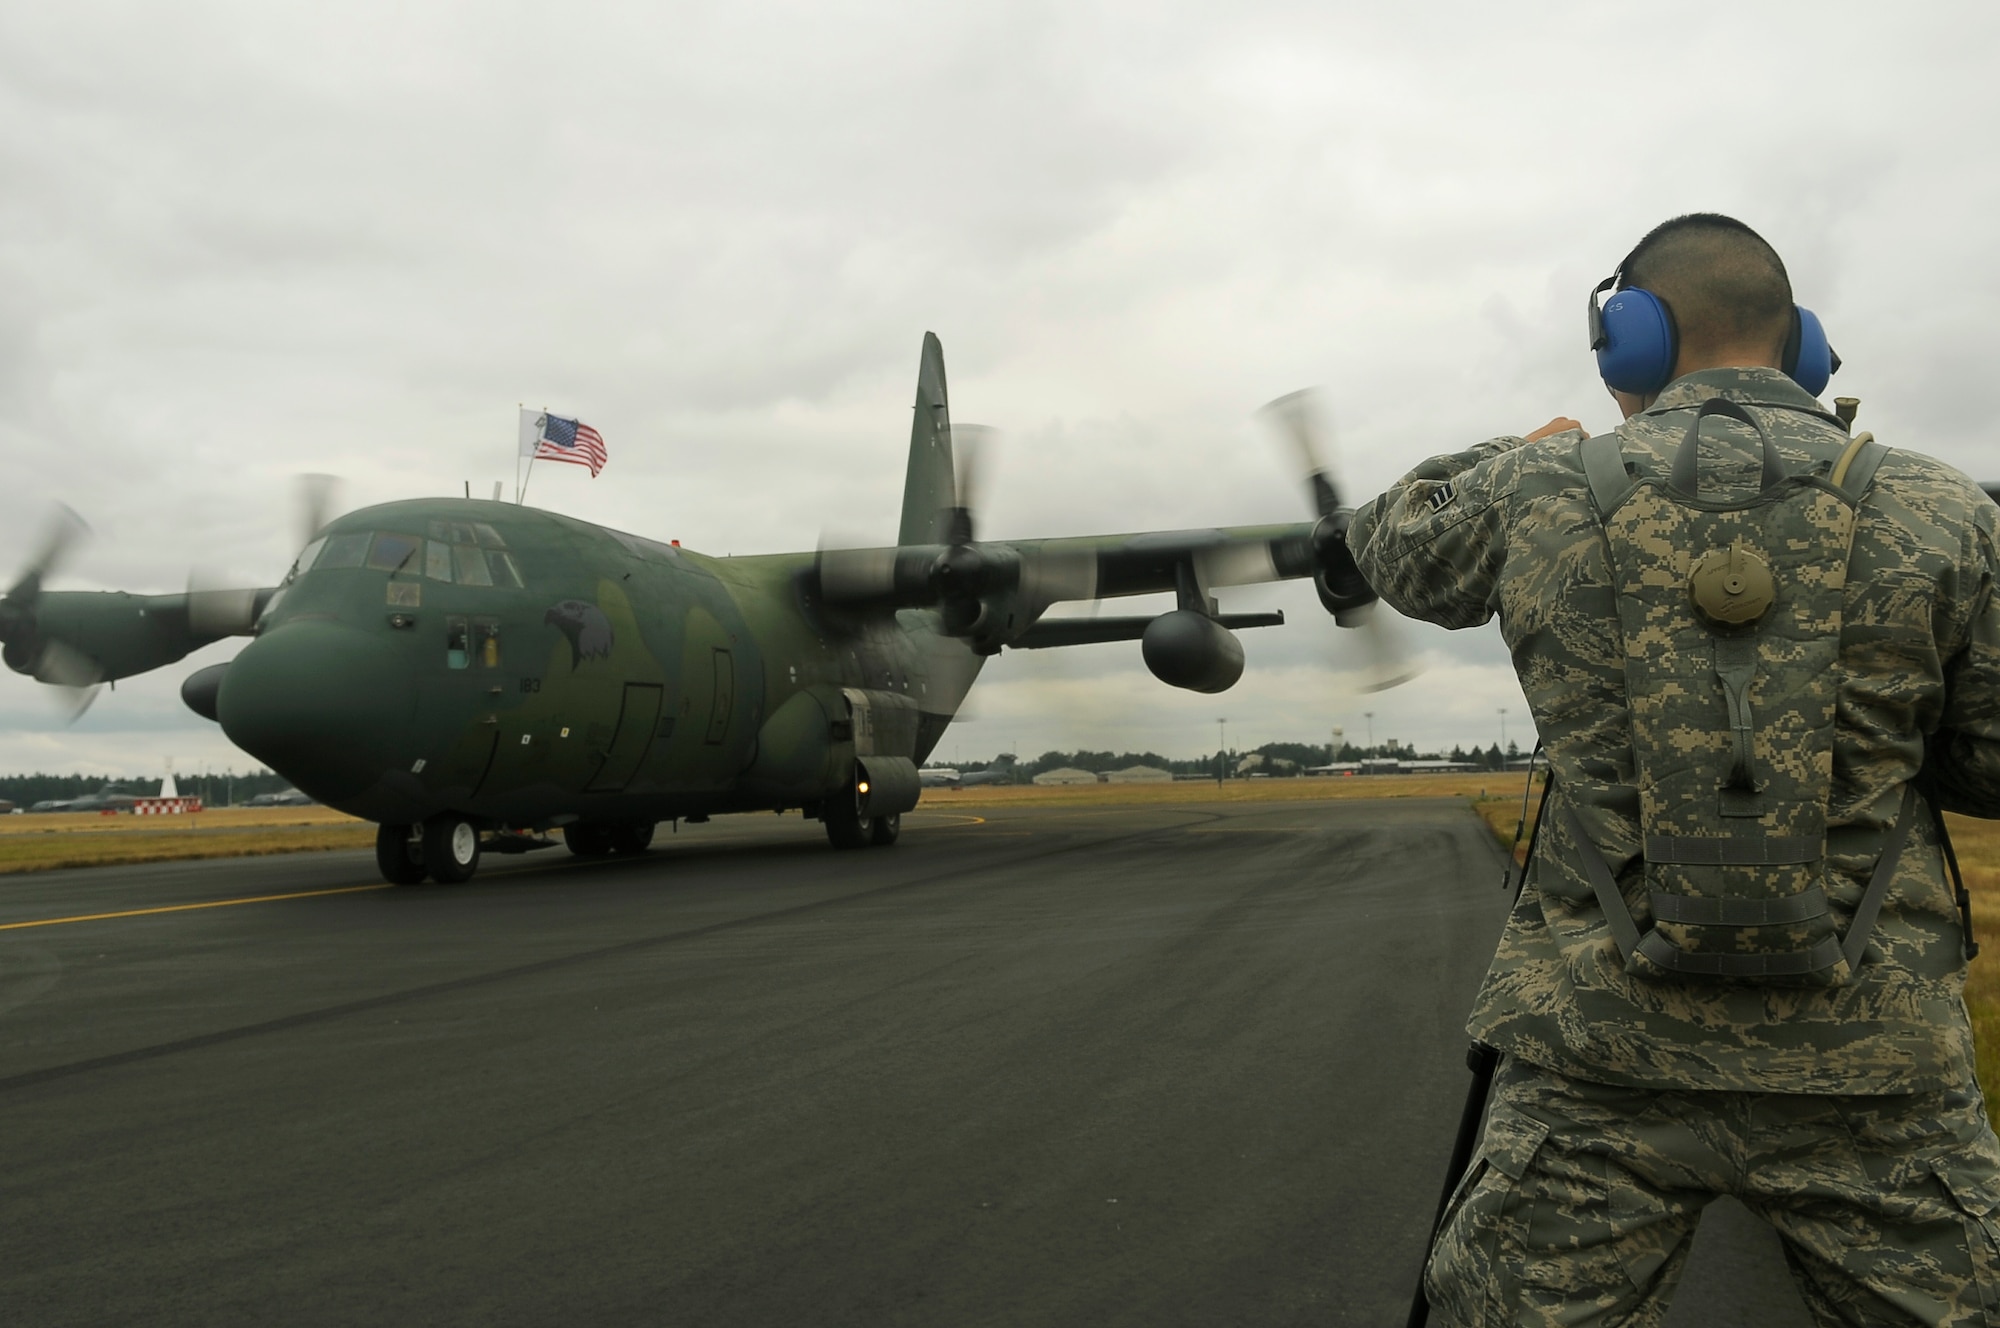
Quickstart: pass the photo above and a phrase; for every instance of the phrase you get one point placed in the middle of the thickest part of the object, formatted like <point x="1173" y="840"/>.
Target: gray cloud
<point x="242" y="241"/>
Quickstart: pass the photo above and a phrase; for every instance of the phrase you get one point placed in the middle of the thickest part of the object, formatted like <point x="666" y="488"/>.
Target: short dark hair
<point x="1724" y="282"/>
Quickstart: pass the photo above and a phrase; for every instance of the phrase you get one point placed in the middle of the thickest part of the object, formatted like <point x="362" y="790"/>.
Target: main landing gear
<point x="444" y="848"/>
<point x="447" y="848"/>
<point x="846" y="827"/>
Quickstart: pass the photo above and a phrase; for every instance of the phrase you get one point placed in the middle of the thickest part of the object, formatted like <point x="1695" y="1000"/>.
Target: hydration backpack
<point x="1731" y="615"/>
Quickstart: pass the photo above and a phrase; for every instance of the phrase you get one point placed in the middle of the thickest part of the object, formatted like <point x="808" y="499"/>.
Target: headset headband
<point x="1597" y="337"/>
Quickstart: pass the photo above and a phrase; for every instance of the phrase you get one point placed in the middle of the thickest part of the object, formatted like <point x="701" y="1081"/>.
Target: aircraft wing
<point x="1191" y="562"/>
<point x="994" y="592"/>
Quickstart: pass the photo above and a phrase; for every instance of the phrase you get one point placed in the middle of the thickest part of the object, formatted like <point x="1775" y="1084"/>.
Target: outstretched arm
<point x="1431" y="546"/>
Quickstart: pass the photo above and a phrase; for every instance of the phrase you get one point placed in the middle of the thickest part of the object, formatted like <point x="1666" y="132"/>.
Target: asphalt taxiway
<point x="1033" y="1065"/>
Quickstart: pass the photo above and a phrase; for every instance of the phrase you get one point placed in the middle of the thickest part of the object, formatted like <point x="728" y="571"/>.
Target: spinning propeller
<point x="76" y="641"/>
<point x="216" y="609"/>
<point x="74" y="674"/>
<point x="1342" y="589"/>
<point x="978" y="589"/>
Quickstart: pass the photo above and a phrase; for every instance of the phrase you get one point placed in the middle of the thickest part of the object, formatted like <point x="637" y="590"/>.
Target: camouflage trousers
<point x="1581" y="1204"/>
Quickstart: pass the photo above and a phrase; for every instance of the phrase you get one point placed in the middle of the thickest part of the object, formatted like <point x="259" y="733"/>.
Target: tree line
<point x="214" y="790"/>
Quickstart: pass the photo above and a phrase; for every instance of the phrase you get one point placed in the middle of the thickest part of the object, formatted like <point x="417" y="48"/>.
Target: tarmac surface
<point x="1033" y="1065"/>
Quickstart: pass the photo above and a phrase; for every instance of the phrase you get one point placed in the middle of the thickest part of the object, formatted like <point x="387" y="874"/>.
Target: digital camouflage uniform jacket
<point x="1508" y="528"/>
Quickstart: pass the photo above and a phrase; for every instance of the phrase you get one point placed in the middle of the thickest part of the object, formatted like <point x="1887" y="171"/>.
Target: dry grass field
<point x="41" y="843"/>
<point x="85" y="839"/>
<point x="1978" y="847"/>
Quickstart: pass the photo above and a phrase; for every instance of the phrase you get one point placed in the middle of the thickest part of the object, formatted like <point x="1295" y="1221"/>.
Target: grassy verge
<point x="47" y="842"/>
<point x="1978" y="846"/>
<point x="26" y="855"/>
<point x="1184" y="791"/>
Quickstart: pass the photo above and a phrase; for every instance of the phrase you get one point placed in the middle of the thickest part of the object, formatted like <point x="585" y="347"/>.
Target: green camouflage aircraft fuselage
<point x="584" y="674"/>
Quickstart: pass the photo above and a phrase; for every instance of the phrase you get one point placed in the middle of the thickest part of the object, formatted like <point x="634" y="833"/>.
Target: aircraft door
<point x="470" y="758"/>
<point x="724" y="702"/>
<point x="638" y="720"/>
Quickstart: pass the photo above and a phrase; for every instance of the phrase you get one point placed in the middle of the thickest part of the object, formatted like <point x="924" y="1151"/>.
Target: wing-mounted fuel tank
<point x="1189" y="649"/>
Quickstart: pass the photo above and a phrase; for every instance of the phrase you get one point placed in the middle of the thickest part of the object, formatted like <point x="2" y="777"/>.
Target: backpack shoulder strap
<point x="1856" y="940"/>
<point x="1604" y="468"/>
<point x="1855" y="469"/>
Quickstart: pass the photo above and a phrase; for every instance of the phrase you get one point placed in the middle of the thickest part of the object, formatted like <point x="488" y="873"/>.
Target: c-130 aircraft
<point x="471" y="675"/>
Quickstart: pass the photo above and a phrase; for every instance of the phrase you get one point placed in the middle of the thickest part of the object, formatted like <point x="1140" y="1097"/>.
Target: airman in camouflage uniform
<point x="1845" y="1112"/>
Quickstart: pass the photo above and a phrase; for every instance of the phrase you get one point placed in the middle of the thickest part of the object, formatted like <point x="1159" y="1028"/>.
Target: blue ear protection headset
<point x="1637" y="342"/>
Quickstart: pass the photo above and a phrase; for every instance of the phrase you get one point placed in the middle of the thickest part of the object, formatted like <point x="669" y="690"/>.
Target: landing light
<point x="862" y="787"/>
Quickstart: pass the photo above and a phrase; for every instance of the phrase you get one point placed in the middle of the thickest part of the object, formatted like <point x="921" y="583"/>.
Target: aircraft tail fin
<point x="929" y="489"/>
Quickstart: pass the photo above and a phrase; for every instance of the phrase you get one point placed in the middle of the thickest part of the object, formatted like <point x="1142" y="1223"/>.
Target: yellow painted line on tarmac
<point x="964" y="818"/>
<point x="183" y="908"/>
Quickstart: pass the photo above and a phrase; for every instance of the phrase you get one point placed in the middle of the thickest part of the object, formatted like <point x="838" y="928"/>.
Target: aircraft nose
<point x="325" y="705"/>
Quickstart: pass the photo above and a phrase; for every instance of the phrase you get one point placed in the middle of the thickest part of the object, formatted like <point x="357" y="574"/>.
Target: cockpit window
<point x="486" y="640"/>
<point x="393" y="553"/>
<point x="343" y="550"/>
<point x="471" y="566"/>
<point x="469" y="554"/>
<point x="505" y="573"/>
<point x="304" y="562"/>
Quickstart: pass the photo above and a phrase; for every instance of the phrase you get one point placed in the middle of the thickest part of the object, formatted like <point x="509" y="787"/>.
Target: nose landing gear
<point x="400" y="855"/>
<point x="451" y="849"/>
<point x="444" y="848"/>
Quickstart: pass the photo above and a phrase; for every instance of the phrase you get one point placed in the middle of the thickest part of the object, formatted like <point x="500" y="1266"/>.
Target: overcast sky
<point x="241" y="241"/>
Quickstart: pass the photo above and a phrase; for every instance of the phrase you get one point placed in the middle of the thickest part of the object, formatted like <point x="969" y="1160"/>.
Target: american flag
<point x="559" y="438"/>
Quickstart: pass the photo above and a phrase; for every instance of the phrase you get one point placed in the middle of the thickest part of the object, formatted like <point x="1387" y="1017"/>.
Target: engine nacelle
<point x="1187" y="649"/>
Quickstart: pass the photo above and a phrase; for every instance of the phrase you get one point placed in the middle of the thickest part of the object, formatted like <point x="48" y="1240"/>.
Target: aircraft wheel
<point x="400" y="860"/>
<point x="631" y="839"/>
<point x="588" y="841"/>
<point x="887" y="828"/>
<point x="451" y="849"/>
<point x="847" y="828"/>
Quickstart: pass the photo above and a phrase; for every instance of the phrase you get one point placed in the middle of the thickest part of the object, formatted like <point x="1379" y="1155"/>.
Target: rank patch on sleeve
<point x="1441" y="495"/>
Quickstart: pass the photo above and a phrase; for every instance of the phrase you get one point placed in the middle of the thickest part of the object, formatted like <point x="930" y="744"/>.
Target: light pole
<point x="1221" y="746"/>
<point x="1503" y="731"/>
<point x="1370" y="714"/>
